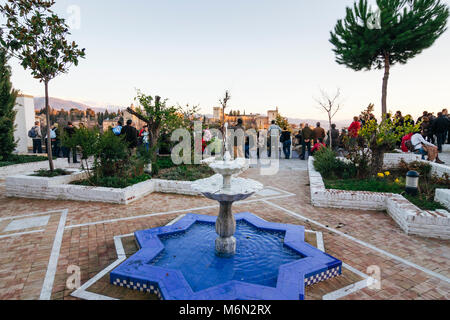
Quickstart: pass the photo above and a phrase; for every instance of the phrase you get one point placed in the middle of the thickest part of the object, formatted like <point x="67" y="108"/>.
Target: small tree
<point x="156" y="114"/>
<point x="331" y="106"/>
<point x="7" y="113"/>
<point x="282" y="122"/>
<point x="36" y="36"/>
<point x="381" y="138"/>
<point x="405" y="28"/>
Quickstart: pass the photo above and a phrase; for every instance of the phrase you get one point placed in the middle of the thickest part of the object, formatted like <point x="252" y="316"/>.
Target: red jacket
<point x="404" y="139"/>
<point x="354" y="128"/>
<point x="318" y="146"/>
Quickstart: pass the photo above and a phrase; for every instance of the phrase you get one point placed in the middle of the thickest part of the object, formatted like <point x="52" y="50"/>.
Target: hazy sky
<point x="268" y="53"/>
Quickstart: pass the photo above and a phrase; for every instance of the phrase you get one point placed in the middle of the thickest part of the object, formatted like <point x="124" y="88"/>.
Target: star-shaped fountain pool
<point x="178" y="262"/>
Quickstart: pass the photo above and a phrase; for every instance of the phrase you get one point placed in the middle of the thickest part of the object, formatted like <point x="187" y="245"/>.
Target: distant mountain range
<point x="58" y="104"/>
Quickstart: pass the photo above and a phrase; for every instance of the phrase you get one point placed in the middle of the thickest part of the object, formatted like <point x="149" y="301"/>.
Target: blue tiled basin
<point x="178" y="262"/>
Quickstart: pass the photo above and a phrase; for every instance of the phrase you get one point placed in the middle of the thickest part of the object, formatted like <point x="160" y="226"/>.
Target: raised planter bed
<point x="59" y="188"/>
<point x="29" y="167"/>
<point x="411" y="219"/>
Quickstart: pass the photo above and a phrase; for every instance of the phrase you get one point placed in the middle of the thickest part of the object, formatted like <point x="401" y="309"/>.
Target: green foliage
<point x="407" y="28"/>
<point x="329" y="166"/>
<point x="113" y="161"/>
<point x="84" y="139"/>
<point x="282" y="122"/>
<point x="18" y="159"/>
<point x="35" y="35"/>
<point x="51" y="174"/>
<point x="185" y="173"/>
<point x="7" y="113"/>
<point x="114" y="182"/>
<point x="378" y="138"/>
<point x="394" y="182"/>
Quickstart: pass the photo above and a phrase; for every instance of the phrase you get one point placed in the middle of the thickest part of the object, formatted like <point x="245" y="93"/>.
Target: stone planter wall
<point x="410" y="218"/>
<point x="443" y="197"/>
<point x="59" y="188"/>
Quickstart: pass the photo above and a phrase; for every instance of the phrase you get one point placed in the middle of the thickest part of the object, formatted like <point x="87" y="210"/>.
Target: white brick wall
<point x="410" y="218"/>
<point x="443" y="197"/>
<point x="58" y="188"/>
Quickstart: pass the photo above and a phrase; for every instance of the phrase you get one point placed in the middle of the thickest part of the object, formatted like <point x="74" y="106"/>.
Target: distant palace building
<point x="250" y="120"/>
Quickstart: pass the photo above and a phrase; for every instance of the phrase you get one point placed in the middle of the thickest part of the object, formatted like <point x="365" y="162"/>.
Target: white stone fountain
<point x="227" y="189"/>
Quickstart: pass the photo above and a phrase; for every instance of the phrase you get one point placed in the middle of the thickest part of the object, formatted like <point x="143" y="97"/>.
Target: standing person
<point x="319" y="133"/>
<point x="334" y="135"/>
<point x="130" y="135"/>
<point x="274" y="134"/>
<point x="341" y="143"/>
<point x="447" y="133"/>
<point x="117" y="130"/>
<point x="440" y="127"/>
<point x="55" y="135"/>
<point x="353" y="130"/>
<point x="286" y="140"/>
<point x="36" y="134"/>
<point x="70" y="131"/>
<point x="307" y="135"/>
<point x="426" y="127"/>
<point x="146" y="138"/>
<point x="424" y="114"/>
<point x="298" y="143"/>
<point x="239" y="139"/>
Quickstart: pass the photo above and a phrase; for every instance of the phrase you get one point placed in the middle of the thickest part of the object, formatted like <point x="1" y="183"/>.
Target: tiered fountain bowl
<point x="227" y="189"/>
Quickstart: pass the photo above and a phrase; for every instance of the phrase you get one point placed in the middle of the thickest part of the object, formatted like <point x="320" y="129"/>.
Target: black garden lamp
<point x="412" y="183"/>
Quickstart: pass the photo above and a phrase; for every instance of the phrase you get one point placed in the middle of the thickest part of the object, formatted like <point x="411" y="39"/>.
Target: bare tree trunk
<point x="49" y="140"/>
<point x="387" y="67"/>
<point x="331" y="133"/>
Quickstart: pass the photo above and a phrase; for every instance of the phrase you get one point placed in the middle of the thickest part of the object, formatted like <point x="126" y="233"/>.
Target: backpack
<point x="32" y="133"/>
<point x="53" y="134"/>
<point x="117" y="130"/>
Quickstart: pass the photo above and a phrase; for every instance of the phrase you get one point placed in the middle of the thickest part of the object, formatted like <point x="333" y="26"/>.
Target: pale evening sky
<point x="268" y="53"/>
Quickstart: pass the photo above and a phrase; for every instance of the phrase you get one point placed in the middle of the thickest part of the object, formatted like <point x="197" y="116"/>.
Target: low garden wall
<point x="58" y="188"/>
<point x="443" y="197"/>
<point x="411" y="219"/>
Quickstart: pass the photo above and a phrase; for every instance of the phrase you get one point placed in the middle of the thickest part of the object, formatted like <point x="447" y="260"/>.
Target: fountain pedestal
<point x="226" y="228"/>
<point x="226" y="189"/>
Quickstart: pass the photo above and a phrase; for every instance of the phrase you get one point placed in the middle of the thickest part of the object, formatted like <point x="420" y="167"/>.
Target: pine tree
<point x="400" y="30"/>
<point x="7" y="113"/>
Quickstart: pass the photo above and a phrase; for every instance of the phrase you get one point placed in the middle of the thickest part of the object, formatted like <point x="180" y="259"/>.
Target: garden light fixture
<point x="412" y="183"/>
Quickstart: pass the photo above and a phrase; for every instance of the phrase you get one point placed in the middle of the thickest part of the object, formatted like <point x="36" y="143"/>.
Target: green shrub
<point x="18" y="159"/>
<point x="51" y="174"/>
<point x="113" y="182"/>
<point x="329" y="166"/>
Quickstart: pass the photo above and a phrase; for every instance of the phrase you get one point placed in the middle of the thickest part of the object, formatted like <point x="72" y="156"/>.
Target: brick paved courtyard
<point x="40" y="239"/>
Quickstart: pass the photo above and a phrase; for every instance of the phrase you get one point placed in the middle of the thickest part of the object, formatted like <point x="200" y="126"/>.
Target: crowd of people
<point x="434" y="132"/>
<point x="131" y="135"/>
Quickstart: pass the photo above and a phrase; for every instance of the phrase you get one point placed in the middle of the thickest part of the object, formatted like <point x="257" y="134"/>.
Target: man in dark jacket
<point x="130" y="135"/>
<point x="440" y="127"/>
<point x="307" y="135"/>
<point x="70" y="131"/>
<point x="319" y="133"/>
<point x="334" y="134"/>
